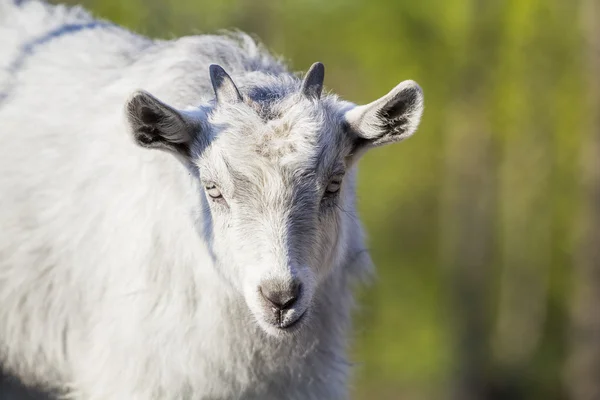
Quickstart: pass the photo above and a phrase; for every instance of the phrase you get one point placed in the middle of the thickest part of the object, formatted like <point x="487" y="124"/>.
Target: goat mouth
<point x="293" y="323"/>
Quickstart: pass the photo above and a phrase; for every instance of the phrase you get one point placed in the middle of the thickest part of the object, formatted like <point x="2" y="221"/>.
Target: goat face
<point x="275" y="167"/>
<point x="274" y="197"/>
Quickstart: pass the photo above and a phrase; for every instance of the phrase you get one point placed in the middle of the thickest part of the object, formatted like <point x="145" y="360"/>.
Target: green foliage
<point x="502" y="79"/>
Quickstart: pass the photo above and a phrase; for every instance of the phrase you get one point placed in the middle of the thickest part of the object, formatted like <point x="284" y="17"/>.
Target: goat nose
<point x="281" y="296"/>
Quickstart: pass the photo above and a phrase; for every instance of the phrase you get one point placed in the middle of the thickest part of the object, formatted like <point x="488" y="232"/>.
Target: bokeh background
<point x="485" y="226"/>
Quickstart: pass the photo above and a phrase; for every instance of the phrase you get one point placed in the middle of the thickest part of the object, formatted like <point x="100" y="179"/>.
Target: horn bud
<point x="225" y="89"/>
<point x="312" y="85"/>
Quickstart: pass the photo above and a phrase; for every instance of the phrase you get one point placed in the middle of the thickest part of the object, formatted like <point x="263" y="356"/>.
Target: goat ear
<point x="392" y="118"/>
<point x="312" y="85"/>
<point x="225" y="89"/>
<point x="155" y="124"/>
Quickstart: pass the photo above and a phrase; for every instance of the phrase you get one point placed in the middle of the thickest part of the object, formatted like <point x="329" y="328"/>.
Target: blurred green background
<point x="485" y="226"/>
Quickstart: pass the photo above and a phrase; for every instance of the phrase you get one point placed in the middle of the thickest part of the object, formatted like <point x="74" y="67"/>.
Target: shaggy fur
<point x="122" y="274"/>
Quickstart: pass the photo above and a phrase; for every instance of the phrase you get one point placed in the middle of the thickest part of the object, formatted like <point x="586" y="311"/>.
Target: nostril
<point x="295" y="291"/>
<point x="279" y="299"/>
<point x="291" y="299"/>
<point x="282" y="299"/>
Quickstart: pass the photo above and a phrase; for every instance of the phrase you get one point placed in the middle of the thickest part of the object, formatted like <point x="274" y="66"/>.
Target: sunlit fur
<point x="119" y="277"/>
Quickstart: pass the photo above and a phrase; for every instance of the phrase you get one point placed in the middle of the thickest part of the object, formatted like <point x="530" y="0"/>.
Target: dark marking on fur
<point x="13" y="388"/>
<point x="64" y="30"/>
<point x="29" y="48"/>
<point x="265" y="100"/>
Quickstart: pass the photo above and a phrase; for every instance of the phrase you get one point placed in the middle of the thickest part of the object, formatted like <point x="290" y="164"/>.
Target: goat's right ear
<point x="155" y="124"/>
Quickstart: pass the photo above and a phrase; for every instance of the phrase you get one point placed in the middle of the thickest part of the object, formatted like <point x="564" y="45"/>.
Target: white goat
<point x="217" y="268"/>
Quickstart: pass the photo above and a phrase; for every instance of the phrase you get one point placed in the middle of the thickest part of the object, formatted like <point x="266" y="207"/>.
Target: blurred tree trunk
<point x="583" y="376"/>
<point x="526" y="176"/>
<point x="468" y="206"/>
<point x="468" y="221"/>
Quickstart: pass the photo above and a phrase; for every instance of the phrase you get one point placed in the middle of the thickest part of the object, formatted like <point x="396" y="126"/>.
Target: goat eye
<point x="214" y="192"/>
<point x="333" y="187"/>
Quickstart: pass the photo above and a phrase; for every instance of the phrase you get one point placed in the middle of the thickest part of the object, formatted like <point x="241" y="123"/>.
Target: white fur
<point x="118" y="279"/>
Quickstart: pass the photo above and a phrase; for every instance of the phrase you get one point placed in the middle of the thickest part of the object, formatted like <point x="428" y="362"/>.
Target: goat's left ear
<point x="392" y="118"/>
<point x="155" y="124"/>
